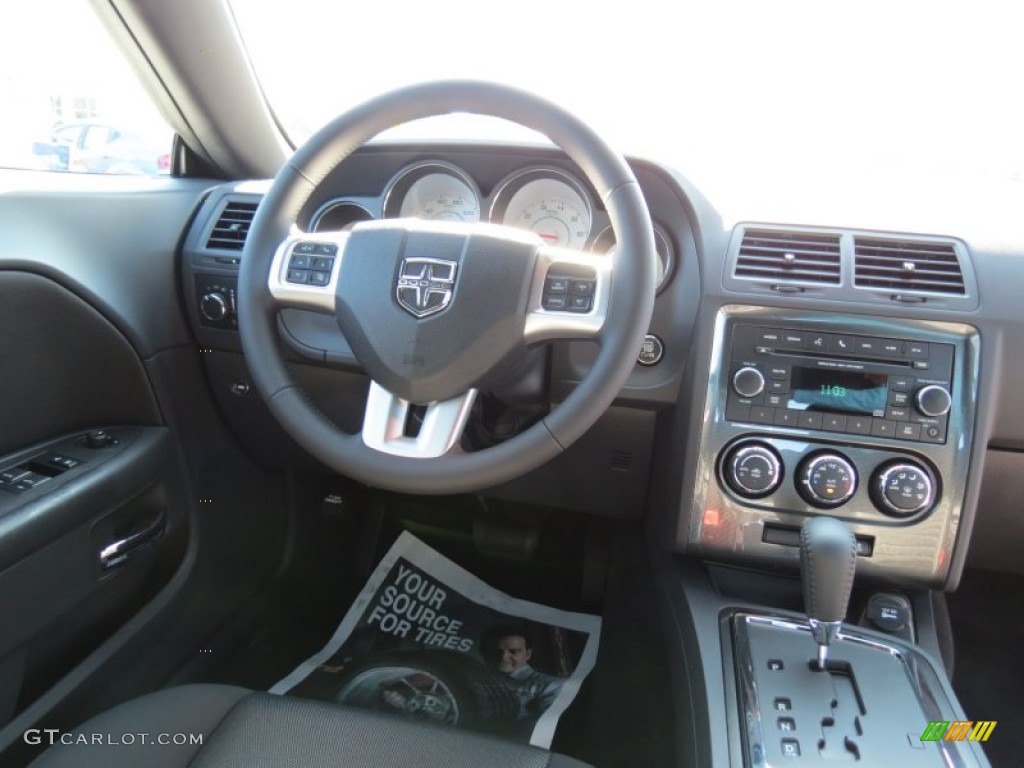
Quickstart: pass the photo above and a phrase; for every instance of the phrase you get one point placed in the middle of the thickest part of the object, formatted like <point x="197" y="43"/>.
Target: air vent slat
<point x="907" y="266"/>
<point x="232" y="226"/>
<point x="778" y="257"/>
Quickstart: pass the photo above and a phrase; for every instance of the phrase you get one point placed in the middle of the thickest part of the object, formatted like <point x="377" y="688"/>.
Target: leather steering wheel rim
<point x="630" y="302"/>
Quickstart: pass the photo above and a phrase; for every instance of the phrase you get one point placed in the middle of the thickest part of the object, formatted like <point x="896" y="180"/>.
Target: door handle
<point x="117" y="552"/>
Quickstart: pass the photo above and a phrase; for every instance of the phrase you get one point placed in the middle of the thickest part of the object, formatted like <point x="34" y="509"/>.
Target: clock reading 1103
<point x="833" y="390"/>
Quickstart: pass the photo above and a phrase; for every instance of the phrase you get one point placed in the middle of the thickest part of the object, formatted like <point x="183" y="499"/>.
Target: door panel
<point x="91" y="528"/>
<point x="65" y="366"/>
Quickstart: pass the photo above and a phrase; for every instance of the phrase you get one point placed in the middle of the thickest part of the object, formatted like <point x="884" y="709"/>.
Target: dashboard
<point x="789" y="371"/>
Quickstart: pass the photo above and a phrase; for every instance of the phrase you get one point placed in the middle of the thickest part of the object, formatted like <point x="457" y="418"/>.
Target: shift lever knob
<point x="828" y="557"/>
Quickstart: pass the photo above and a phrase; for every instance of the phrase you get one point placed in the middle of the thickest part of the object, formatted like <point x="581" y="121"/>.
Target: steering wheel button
<point x="322" y="263"/>
<point x="579" y="303"/>
<point x="298" y="275"/>
<point x="319" y="278"/>
<point x="299" y="262"/>
<point x="556" y="285"/>
<point x="555" y="301"/>
<point x="582" y="288"/>
<point x="305" y="248"/>
<point x="326" y="249"/>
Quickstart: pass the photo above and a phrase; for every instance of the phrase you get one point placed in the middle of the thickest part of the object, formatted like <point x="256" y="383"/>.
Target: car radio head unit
<point x="830" y="382"/>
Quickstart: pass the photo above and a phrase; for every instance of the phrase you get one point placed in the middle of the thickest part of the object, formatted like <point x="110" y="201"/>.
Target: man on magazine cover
<point x="535" y="690"/>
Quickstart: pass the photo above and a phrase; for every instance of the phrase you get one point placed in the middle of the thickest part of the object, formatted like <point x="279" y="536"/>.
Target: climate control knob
<point x="748" y="382"/>
<point x="902" y="489"/>
<point x="933" y="400"/>
<point x="753" y="470"/>
<point x="214" y="306"/>
<point x="826" y="480"/>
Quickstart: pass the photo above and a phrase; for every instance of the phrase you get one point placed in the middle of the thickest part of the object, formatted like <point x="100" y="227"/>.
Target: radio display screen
<point x="819" y="389"/>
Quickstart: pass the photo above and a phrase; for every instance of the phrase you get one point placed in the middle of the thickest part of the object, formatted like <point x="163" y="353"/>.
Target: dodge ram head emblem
<point x="425" y="286"/>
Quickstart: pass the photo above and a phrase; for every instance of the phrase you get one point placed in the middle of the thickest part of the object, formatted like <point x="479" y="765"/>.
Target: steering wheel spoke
<point x="570" y="295"/>
<point x="396" y="426"/>
<point x="304" y="272"/>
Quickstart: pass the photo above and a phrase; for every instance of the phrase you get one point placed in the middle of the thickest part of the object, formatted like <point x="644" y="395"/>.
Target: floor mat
<point x="988" y="632"/>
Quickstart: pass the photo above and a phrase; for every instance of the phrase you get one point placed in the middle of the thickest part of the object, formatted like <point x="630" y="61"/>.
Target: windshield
<point x="714" y="85"/>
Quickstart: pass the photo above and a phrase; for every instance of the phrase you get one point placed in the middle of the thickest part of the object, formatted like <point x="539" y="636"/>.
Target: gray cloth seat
<point x="247" y="729"/>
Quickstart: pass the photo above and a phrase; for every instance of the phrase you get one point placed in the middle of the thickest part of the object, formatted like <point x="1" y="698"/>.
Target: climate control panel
<point x="821" y="477"/>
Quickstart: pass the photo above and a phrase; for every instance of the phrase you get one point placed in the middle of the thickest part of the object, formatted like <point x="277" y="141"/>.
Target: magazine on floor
<point x="428" y="640"/>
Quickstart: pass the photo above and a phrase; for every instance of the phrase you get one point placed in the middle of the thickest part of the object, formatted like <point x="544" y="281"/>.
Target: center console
<point x="829" y="444"/>
<point x="864" y="419"/>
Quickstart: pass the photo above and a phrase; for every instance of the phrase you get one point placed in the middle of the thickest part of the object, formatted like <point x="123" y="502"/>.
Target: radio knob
<point x="748" y="382"/>
<point x="753" y="470"/>
<point x="933" y="400"/>
<point x="214" y="306"/>
<point x="902" y="489"/>
<point x="826" y="480"/>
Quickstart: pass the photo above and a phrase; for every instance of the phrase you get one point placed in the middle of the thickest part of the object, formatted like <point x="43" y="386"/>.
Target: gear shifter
<point x="828" y="557"/>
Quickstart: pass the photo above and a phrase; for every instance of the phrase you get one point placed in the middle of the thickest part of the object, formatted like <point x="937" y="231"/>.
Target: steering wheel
<point x="432" y="309"/>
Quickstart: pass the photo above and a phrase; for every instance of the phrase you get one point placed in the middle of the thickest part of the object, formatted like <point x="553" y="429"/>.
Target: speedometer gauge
<point x="547" y="202"/>
<point x="436" y="191"/>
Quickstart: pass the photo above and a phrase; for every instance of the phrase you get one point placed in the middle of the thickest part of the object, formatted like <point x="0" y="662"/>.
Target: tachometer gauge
<point x="433" y="191"/>
<point x="547" y="202"/>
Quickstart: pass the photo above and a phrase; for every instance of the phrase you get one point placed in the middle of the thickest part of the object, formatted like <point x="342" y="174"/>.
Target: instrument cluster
<point x="543" y="199"/>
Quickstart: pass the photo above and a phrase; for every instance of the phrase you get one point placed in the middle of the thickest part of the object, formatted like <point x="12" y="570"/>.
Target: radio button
<point x="834" y="422"/>
<point x="775" y="400"/>
<point x="760" y="414"/>
<point x="892" y="348"/>
<point x="907" y="431"/>
<point x="817" y="342"/>
<point x="778" y="372"/>
<point x="769" y="336"/>
<point x="778" y="385"/>
<point x="866" y="346"/>
<point x="901" y="383"/>
<point x="809" y="420"/>
<point x="883" y="428"/>
<point x="748" y="382"/>
<point x="897" y="414"/>
<point x="786" y="417"/>
<point x="794" y="339"/>
<point x="858" y="425"/>
<point x="842" y="344"/>
<point x="735" y="411"/>
<point x="933" y="400"/>
<point x="917" y="350"/>
<point x="899" y="399"/>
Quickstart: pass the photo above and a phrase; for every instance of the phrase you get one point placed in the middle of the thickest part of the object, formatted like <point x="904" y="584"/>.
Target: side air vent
<point x="907" y="266"/>
<point x="788" y="257"/>
<point x="230" y="231"/>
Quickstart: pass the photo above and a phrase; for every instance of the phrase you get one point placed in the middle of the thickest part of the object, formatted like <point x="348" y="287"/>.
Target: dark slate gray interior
<point x="254" y="549"/>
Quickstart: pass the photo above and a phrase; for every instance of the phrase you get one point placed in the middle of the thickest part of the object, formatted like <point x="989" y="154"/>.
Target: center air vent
<point x="786" y="257"/>
<point x="230" y="231"/>
<point x="905" y="266"/>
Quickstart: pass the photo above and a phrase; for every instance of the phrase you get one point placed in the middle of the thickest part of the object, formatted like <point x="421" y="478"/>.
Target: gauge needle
<point x="548" y="236"/>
